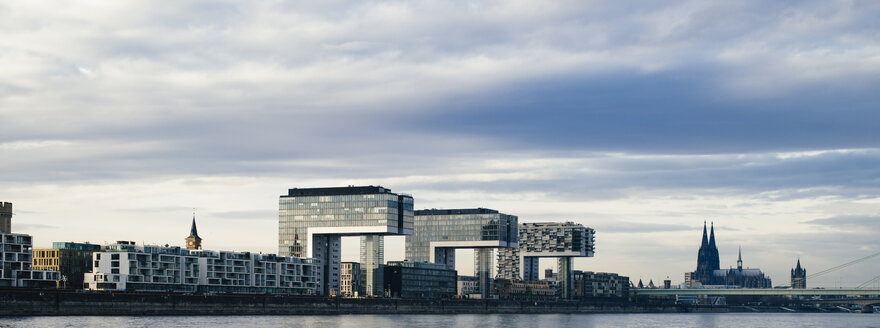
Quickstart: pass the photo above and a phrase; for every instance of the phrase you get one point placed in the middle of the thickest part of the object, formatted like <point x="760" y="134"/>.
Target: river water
<point x="702" y="320"/>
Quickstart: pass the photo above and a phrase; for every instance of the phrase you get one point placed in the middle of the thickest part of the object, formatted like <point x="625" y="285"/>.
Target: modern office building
<point x="799" y="277"/>
<point x="562" y="240"/>
<point x="708" y="272"/>
<point x="350" y="279"/>
<point x="16" y="257"/>
<point x="437" y="233"/>
<point x="467" y="286"/>
<point x="405" y="279"/>
<point x="72" y="260"/>
<point x="588" y="284"/>
<point x="524" y="290"/>
<point x="125" y="266"/>
<point x="5" y="217"/>
<point x="311" y="222"/>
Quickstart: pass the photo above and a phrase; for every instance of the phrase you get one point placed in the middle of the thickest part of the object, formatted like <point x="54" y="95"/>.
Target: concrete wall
<point x="52" y="302"/>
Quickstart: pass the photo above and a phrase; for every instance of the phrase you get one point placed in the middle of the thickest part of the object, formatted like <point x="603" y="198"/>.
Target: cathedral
<point x="709" y="272"/>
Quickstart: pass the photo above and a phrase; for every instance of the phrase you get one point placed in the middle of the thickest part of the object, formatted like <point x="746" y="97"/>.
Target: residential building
<point x="799" y="277"/>
<point x="72" y="260"/>
<point x="16" y="257"/>
<point x="437" y="233"/>
<point x="349" y="279"/>
<point x="588" y="284"/>
<point x="562" y="240"/>
<point x="125" y="266"/>
<point x="467" y="286"/>
<point x="312" y="221"/>
<point x="405" y="279"/>
<point x="524" y="290"/>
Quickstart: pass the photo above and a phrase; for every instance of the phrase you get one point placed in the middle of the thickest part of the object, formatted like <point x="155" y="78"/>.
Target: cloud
<point x="861" y="224"/>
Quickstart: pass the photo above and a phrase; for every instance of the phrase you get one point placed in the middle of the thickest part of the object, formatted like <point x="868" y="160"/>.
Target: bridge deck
<point x="754" y="291"/>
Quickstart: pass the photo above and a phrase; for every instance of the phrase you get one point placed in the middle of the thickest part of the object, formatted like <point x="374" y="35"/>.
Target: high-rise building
<point x="438" y="233"/>
<point x="5" y="217"/>
<point x="799" y="277"/>
<point x="562" y="240"/>
<point x="311" y="222"/>
<point x="73" y="260"/>
<point x="350" y="279"/>
<point x="125" y="266"/>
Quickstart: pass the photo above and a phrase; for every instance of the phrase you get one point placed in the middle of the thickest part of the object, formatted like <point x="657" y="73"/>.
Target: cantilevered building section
<point x="311" y="222"/>
<point x="547" y="239"/>
<point x="438" y="233"/>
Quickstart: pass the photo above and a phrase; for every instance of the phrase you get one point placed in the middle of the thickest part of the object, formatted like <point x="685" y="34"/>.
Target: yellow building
<point x="73" y="260"/>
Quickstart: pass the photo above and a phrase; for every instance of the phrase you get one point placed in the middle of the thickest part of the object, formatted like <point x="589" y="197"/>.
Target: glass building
<point x="311" y="222"/>
<point x="406" y="279"/>
<point x="562" y="240"/>
<point x="438" y="233"/>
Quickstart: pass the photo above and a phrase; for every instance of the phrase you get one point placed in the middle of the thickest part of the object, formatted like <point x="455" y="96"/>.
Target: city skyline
<point x="638" y="120"/>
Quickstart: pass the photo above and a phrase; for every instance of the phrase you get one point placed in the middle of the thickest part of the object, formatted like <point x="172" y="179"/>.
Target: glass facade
<point x="312" y="220"/>
<point x="446" y="227"/>
<point x="420" y="280"/>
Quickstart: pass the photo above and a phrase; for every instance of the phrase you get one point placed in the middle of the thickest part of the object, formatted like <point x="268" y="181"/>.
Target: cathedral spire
<point x="739" y="261"/>
<point x="712" y="236"/>
<point x="705" y="242"/>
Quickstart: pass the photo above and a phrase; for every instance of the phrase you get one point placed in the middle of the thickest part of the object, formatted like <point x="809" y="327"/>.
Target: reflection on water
<point x="466" y="320"/>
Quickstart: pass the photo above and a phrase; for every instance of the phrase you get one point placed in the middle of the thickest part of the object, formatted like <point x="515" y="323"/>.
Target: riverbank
<point x="15" y="302"/>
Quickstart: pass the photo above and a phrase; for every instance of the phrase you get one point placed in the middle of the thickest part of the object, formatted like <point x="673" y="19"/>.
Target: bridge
<point x="753" y="292"/>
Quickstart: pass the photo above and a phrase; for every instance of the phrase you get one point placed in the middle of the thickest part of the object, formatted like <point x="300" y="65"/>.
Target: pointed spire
<point x="712" y="237"/>
<point x="705" y="239"/>
<point x="739" y="260"/>
<point x="798" y="267"/>
<point x="193" y="232"/>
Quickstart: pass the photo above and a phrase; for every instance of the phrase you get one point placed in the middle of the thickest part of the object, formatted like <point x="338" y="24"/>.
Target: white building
<point x="16" y="254"/>
<point x="15" y="261"/>
<point x="126" y="266"/>
<point x="350" y="279"/>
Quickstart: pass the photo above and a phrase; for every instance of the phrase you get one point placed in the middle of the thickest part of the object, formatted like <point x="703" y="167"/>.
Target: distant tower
<point x="193" y="242"/>
<point x="714" y="259"/>
<point x="5" y="217"/>
<point x="798" y="277"/>
<point x="739" y="261"/>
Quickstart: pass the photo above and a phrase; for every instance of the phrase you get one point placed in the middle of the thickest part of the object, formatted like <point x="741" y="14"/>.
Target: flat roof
<point x="435" y="211"/>
<point x="337" y="191"/>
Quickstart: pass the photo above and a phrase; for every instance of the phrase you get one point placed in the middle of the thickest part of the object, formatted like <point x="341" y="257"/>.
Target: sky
<point x="640" y="119"/>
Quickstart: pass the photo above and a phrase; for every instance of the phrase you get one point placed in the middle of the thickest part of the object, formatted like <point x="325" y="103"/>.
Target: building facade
<point x="562" y="240"/>
<point x="524" y="290"/>
<point x="5" y="217"/>
<point x="125" y="266"/>
<point x="350" y="279"/>
<point x="437" y="233"/>
<point x="588" y="284"/>
<point x="311" y="222"/>
<point x="799" y="277"/>
<point x="72" y="260"/>
<point x="405" y="279"/>
<point x="467" y="286"/>
<point x="16" y="257"/>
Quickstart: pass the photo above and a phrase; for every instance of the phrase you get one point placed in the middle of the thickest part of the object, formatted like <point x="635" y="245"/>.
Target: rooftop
<point x="435" y="211"/>
<point x="336" y="191"/>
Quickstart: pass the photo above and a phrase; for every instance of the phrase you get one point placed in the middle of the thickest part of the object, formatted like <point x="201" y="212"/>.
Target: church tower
<point x="193" y="242"/>
<point x="714" y="259"/>
<point x="798" y="277"/>
<point x="739" y="260"/>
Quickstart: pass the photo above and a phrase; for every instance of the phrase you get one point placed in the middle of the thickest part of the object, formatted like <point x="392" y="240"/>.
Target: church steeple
<point x="193" y="242"/>
<point x="705" y="242"/>
<point x="712" y="237"/>
<point x="739" y="261"/>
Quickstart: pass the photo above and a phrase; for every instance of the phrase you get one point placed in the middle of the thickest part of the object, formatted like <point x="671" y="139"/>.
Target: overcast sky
<point x="640" y="119"/>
